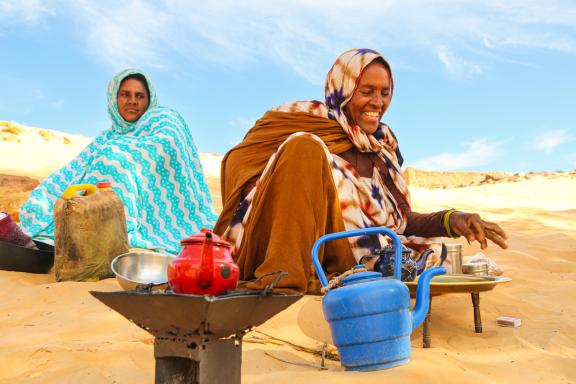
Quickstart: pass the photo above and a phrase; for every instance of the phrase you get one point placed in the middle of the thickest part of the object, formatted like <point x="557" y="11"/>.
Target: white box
<point x="505" y="321"/>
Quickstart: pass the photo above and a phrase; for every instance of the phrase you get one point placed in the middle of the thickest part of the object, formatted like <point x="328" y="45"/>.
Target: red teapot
<point x="204" y="266"/>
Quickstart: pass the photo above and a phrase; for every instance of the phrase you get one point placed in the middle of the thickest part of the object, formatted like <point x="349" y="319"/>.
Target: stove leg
<point x="477" y="318"/>
<point x="426" y="338"/>
<point x="193" y="361"/>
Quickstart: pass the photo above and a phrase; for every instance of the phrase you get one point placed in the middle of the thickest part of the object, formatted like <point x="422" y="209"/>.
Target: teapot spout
<point x="423" y="295"/>
<point x="207" y="262"/>
<point x="421" y="264"/>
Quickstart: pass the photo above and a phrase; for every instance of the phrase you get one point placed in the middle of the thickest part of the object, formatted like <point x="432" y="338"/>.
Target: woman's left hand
<point x="472" y="227"/>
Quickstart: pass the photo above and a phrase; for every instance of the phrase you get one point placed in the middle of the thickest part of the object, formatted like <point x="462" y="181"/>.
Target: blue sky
<point x="479" y="84"/>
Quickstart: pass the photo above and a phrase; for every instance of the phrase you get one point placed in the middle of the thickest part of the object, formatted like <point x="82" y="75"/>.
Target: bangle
<point x="446" y="223"/>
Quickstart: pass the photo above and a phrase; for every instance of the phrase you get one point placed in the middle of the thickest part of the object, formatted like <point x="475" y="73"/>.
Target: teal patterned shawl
<point x="154" y="168"/>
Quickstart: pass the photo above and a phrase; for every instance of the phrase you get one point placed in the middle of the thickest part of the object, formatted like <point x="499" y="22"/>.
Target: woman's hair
<point x="140" y="77"/>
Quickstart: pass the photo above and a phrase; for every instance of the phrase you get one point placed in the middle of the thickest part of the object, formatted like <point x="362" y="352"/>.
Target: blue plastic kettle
<point x="369" y="316"/>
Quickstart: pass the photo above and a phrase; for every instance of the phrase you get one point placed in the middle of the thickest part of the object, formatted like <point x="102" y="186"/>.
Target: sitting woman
<point x="310" y="168"/>
<point x="150" y="159"/>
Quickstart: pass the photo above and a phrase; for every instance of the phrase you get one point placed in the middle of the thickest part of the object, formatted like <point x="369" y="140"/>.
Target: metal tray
<point x="20" y="259"/>
<point x="461" y="283"/>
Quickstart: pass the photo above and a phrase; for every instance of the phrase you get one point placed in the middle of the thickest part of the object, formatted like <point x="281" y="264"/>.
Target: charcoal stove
<point x="198" y="339"/>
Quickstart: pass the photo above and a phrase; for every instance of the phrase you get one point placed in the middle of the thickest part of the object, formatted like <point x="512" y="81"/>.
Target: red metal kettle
<point x="204" y="266"/>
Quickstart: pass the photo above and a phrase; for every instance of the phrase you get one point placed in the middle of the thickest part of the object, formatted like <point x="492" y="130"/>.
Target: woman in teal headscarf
<point x="149" y="157"/>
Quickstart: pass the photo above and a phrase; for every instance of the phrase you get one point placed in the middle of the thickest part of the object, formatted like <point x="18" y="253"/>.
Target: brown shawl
<point x="248" y="159"/>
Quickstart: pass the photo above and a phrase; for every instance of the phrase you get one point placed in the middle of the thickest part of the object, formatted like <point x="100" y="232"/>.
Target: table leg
<point x="426" y="338"/>
<point x="477" y="318"/>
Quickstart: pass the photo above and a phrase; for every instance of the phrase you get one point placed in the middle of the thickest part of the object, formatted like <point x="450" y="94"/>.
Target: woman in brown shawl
<point x="309" y="168"/>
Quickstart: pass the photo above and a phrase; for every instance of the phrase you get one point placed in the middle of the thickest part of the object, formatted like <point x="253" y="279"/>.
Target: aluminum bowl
<point x="141" y="268"/>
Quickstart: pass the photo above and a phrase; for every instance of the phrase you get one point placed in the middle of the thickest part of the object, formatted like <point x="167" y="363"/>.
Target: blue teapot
<point x="369" y="316"/>
<point x="410" y="267"/>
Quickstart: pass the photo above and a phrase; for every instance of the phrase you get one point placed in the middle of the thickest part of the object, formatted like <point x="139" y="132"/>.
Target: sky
<point x="479" y="85"/>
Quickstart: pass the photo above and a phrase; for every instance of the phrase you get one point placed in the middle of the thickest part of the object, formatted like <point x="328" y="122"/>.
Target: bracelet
<point x="446" y="223"/>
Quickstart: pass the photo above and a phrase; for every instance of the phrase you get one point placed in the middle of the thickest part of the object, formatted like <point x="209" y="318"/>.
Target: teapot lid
<point x="198" y="238"/>
<point x="390" y="248"/>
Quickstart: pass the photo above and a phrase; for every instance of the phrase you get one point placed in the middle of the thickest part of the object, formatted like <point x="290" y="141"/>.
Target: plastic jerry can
<point x="89" y="232"/>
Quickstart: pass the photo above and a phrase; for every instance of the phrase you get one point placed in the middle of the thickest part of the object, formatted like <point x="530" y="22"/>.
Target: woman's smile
<point x="373" y="115"/>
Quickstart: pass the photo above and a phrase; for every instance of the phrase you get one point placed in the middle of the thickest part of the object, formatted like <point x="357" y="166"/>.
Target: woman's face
<point x="132" y="100"/>
<point x="371" y="97"/>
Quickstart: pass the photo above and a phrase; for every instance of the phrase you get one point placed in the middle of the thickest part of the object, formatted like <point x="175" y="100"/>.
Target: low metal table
<point x="457" y="284"/>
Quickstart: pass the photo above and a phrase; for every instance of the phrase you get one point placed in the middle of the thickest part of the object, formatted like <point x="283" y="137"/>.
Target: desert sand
<point x="57" y="332"/>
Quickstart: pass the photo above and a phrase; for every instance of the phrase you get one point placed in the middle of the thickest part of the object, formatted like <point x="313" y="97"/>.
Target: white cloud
<point x="23" y="11"/>
<point x="548" y="141"/>
<point x="304" y="36"/>
<point x="142" y="33"/>
<point x="456" y="65"/>
<point x="478" y="152"/>
<point x="124" y="34"/>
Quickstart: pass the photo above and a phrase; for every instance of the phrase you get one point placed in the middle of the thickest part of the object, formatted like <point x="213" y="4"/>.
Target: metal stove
<point x="198" y="339"/>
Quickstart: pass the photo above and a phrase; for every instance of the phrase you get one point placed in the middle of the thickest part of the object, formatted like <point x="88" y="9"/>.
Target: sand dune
<point x="56" y="332"/>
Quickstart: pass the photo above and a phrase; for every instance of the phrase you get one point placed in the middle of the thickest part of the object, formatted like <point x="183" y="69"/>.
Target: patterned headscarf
<point x="339" y="88"/>
<point x="120" y="125"/>
<point x="341" y="83"/>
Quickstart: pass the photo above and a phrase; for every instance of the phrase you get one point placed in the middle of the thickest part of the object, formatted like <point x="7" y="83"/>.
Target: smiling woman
<point x="309" y="168"/>
<point x="150" y="159"/>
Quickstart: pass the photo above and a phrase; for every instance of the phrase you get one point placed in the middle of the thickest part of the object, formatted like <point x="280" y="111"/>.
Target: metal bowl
<point x="478" y="268"/>
<point x="141" y="268"/>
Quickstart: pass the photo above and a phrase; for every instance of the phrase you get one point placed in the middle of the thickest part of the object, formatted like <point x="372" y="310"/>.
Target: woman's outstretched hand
<point x="472" y="227"/>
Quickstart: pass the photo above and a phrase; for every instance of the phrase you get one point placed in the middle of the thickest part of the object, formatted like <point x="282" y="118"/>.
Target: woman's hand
<point x="472" y="227"/>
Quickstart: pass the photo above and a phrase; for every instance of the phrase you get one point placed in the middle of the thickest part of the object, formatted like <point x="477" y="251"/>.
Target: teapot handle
<point x="358" y="232"/>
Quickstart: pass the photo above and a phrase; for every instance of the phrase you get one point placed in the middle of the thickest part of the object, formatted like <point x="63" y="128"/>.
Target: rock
<point x="14" y="191"/>
<point x="13" y="183"/>
<point x="432" y="179"/>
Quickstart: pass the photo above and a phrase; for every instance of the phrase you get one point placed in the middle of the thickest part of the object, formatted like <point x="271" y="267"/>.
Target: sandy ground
<point x="57" y="332"/>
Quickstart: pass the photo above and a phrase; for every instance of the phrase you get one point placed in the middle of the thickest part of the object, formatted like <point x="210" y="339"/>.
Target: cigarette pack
<point x="505" y="321"/>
